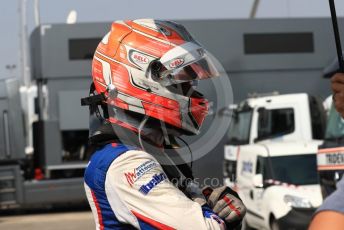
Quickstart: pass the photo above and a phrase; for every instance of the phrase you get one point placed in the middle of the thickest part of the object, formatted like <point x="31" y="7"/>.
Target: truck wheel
<point x="274" y="224"/>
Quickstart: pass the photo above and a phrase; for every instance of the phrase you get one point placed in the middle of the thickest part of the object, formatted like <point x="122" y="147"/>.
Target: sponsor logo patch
<point x="176" y="62"/>
<point x="157" y="179"/>
<point x="138" y="172"/>
<point x="139" y="58"/>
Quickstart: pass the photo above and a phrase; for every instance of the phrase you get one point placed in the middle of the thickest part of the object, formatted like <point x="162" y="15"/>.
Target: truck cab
<point x="272" y="118"/>
<point x="275" y="181"/>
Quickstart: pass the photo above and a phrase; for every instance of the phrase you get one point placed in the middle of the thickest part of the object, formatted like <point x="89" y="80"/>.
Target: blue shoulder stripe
<point x="100" y="162"/>
<point x="95" y="175"/>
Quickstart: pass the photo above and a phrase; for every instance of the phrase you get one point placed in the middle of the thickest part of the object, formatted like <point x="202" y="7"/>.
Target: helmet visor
<point x="187" y="62"/>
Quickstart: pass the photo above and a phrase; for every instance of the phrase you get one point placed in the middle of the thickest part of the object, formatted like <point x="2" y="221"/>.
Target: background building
<point x="107" y="10"/>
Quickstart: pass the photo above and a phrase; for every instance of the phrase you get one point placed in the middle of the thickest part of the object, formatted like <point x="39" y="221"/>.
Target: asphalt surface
<point x="82" y="220"/>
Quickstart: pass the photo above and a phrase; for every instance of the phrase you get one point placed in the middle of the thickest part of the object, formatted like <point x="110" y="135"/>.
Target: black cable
<point x="191" y="156"/>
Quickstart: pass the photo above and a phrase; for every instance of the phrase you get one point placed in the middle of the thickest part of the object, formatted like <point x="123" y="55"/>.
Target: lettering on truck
<point x="335" y="158"/>
<point x="331" y="159"/>
<point x="247" y="167"/>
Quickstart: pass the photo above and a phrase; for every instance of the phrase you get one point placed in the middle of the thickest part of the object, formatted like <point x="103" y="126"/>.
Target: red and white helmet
<point x="151" y="64"/>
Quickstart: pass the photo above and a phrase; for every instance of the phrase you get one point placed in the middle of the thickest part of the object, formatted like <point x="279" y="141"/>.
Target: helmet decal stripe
<point x="105" y="39"/>
<point x="154" y="38"/>
<point x="106" y="70"/>
<point x="160" y="29"/>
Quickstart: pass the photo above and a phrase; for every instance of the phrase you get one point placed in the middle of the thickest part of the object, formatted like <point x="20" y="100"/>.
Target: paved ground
<point x="52" y="221"/>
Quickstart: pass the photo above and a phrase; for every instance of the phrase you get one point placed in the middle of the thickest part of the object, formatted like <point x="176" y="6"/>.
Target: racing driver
<point x="142" y="98"/>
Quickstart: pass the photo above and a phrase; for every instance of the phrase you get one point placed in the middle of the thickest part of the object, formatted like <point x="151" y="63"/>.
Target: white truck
<point x="278" y="183"/>
<point x="271" y="159"/>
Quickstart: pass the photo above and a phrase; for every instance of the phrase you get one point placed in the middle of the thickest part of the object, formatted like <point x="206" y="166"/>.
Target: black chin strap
<point x="93" y="101"/>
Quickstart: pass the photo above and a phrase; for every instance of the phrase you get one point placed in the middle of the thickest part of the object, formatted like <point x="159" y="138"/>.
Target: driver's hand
<point x="226" y="203"/>
<point x="337" y="84"/>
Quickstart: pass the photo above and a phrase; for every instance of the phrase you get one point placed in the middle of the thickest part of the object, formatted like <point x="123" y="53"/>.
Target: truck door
<point x="4" y="134"/>
<point x="248" y="192"/>
<point x="238" y="134"/>
<point x="256" y="193"/>
<point x="11" y="123"/>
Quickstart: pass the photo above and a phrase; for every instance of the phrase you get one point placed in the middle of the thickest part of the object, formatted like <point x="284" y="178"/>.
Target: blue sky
<point x="56" y="11"/>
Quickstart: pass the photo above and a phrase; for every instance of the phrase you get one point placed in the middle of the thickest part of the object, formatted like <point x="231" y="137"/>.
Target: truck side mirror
<point x="228" y="110"/>
<point x="257" y="181"/>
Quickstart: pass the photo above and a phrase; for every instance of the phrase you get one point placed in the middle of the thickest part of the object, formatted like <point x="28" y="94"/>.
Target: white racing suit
<point x="128" y="189"/>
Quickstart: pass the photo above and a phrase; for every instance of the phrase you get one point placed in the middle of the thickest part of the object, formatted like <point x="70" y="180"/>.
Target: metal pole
<point x="337" y="35"/>
<point x="37" y="13"/>
<point x="21" y="6"/>
<point x="25" y="69"/>
<point x="24" y="61"/>
<point x="254" y="8"/>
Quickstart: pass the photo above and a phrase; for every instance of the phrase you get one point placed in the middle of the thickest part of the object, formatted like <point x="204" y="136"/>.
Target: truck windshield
<point x="296" y="170"/>
<point x="239" y="130"/>
<point x="335" y="125"/>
